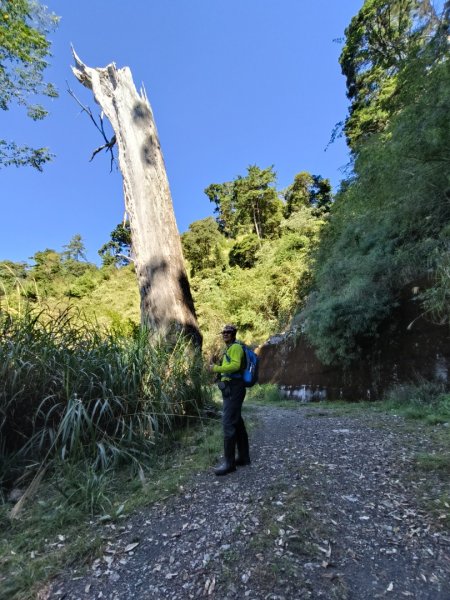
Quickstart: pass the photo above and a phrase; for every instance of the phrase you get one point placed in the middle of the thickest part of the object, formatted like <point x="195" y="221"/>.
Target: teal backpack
<point x="249" y="374"/>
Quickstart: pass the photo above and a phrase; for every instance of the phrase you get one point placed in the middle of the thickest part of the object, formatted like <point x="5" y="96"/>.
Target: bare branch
<point x="109" y="144"/>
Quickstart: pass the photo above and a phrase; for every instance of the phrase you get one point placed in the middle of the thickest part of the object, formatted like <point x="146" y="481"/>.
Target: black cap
<point x="229" y="329"/>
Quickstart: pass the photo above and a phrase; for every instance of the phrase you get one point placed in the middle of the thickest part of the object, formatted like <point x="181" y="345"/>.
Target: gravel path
<point x="328" y="509"/>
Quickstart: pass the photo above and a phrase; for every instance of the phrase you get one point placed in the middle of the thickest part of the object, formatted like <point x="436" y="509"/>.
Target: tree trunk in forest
<point x="166" y="300"/>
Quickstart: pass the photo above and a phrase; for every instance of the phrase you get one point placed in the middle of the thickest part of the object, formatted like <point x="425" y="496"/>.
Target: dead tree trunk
<point x="166" y="300"/>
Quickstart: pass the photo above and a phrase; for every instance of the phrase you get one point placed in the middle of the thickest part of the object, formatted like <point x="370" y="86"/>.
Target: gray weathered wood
<point x="166" y="299"/>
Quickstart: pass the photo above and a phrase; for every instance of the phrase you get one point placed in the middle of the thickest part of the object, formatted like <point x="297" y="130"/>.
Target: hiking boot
<point x="225" y="468"/>
<point x="229" y="464"/>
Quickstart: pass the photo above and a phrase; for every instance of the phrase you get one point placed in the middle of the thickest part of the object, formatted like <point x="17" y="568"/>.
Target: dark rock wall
<point x="409" y="347"/>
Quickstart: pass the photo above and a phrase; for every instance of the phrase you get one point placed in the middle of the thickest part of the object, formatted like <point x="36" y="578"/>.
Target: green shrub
<point x="244" y="252"/>
<point x="267" y="393"/>
<point x="425" y="400"/>
<point x="71" y="392"/>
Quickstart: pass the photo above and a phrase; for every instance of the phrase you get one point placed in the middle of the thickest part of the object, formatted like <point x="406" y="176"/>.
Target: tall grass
<point x="72" y="392"/>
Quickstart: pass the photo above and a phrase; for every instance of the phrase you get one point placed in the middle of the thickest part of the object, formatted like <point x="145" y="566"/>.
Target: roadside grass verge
<point x="426" y="401"/>
<point x="269" y="394"/>
<point x="433" y="469"/>
<point x="65" y="523"/>
<point x="72" y="393"/>
<point x="428" y="405"/>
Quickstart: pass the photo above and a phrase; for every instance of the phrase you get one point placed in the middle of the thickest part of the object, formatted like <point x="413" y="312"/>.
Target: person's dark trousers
<point x="243" y="453"/>
<point x="234" y="431"/>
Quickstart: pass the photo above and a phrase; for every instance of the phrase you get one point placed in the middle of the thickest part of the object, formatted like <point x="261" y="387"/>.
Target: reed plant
<point x="73" y="392"/>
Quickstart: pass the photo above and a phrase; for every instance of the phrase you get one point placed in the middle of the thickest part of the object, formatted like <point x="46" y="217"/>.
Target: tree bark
<point x="166" y="301"/>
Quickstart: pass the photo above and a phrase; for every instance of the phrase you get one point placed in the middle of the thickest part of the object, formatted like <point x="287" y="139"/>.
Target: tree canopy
<point x="379" y="41"/>
<point x="117" y="251"/>
<point x="75" y="249"/>
<point x="248" y="204"/>
<point x="201" y="245"/>
<point x="24" y="53"/>
<point x="255" y="282"/>
<point x="307" y="190"/>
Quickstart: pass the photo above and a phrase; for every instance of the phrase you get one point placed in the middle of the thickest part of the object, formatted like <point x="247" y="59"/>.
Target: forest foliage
<point x="58" y="280"/>
<point x="256" y="259"/>
<point x="255" y="274"/>
<point x="24" y="54"/>
<point x="337" y="264"/>
<point x="388" y="226"/>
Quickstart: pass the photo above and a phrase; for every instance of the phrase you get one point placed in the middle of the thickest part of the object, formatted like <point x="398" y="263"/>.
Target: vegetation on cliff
<point x="389" y="223"/>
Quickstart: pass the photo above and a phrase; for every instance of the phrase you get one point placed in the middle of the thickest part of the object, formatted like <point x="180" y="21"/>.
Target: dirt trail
<point x="328" y="509"/>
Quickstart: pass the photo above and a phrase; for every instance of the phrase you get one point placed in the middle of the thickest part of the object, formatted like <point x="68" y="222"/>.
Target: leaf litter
<point x="329" y="508"/>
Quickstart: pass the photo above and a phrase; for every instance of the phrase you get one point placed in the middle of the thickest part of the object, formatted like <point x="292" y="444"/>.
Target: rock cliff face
<point x="409" y="348"/>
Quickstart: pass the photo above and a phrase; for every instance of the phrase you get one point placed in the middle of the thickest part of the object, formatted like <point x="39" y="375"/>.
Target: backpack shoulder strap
<point x="228" y="359"/>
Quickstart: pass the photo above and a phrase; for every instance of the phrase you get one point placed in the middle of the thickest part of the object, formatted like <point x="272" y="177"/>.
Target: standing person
<point x="233" y="390"/>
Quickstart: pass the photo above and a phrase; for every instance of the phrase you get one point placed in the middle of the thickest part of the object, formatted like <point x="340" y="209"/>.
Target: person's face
<point x="227" y="336"/>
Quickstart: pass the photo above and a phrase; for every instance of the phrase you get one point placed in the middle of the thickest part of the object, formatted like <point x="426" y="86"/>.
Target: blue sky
<point x="231" y="83"/>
